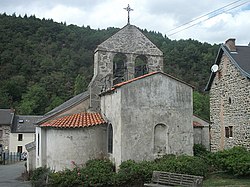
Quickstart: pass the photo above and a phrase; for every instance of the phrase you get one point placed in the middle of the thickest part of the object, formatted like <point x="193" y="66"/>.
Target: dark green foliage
<point x="40" y="176"/>
<point x="236" y="161"/>
<point x="101" y="172"/>
<point x="201" y="105"/>
<point x="59" y="59"/>
<point x="200" y="150"/>
<point x="95" y="173"/>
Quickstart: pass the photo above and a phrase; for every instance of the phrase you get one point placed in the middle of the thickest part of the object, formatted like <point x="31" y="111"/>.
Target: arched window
<point x="141" y="67"/>
<point x="110" y="138"/>
<point x="119" y="68"/>
<point x="160" y="139"/>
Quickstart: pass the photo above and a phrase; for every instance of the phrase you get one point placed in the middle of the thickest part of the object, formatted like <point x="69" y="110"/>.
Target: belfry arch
<point x="119" y="68"/>
<point x="141" y="66"/>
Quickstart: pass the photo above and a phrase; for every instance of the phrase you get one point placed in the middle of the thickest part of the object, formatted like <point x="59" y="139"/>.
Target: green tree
<point x="33" y="101"/>
<point x="201" y="105"/>
<point x="80" y="84"/>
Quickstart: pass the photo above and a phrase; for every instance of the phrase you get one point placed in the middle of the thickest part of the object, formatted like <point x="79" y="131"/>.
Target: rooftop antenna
<point x="128" y="9"/>
<point x="214" y="68"/>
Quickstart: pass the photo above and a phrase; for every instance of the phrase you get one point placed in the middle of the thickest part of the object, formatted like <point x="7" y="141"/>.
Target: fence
<point x="10" y="157"/>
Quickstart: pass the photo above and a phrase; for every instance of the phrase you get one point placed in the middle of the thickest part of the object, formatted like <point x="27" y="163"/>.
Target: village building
<point x="22" y="132"/>
<point x="132" y="110"/>
<point x="229" y="87"/>
<point x="6" y="120"/>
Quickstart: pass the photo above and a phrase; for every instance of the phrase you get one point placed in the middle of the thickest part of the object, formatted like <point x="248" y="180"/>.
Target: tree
<point x="80" y="84"/>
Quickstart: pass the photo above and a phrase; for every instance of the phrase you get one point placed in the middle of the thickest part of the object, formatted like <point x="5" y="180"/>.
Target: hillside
<point x="44" y="63"/>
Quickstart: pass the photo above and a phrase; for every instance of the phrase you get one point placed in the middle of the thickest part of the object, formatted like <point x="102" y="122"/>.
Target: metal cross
<point x="128" y="9"/>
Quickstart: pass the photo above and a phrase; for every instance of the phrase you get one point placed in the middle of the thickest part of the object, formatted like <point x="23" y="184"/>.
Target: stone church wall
<point x="153" y="109"/>
<point x="229" y="107"/>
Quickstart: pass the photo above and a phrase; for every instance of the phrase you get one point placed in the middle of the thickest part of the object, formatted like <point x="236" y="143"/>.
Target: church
<point x="131" y="110"/>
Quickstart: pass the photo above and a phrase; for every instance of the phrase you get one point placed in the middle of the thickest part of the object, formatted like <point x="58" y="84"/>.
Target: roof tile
<point x="76" y="121"/>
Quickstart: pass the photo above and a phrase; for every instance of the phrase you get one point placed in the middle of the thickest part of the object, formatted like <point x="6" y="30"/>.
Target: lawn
<point x="222" y="179"/>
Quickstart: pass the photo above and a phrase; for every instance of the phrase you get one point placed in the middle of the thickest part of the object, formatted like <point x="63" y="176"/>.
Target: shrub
<point x="200" y="150"/>
<point x="183" y="164"/>
<point x="235" y="161"/>
<point x="40" y="176"/>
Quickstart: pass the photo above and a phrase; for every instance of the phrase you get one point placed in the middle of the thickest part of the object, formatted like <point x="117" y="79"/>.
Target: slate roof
<point x="240" y="58"/>
<point x="24" y="124"/>
<point x="64" y="106"/>
<point x="6" y="116"/>
<point x="76" y="121"/>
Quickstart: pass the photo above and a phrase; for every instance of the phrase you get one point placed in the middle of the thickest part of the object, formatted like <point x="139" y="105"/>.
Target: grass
<point x="223" y="179"/>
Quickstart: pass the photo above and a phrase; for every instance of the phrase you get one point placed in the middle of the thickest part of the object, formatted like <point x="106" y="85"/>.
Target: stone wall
<point x="4" y="140"/>
<point x="130" y="42"/>
<point x="229" y="107"/>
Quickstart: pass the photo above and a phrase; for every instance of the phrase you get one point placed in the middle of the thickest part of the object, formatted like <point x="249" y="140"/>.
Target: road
<point x="10" y="175"/>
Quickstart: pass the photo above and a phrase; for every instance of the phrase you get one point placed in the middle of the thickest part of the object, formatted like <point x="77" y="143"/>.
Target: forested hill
<point x="44" y="63"/>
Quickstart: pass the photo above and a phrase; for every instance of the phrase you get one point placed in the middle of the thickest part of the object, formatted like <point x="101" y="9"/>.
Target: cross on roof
<point x="128" y="9"/>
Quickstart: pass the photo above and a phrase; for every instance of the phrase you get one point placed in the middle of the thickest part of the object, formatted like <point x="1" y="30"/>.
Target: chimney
<point x="230" y="43"/>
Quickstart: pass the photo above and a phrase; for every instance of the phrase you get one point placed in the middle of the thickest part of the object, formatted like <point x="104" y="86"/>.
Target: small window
<point x="110" y="139"/>
<point x="19" y="149"/>
<point x="20" y="137"/>
<point x="1" y="133"/>
<point x="229" y="132"/>
<point x="230" y="100"/>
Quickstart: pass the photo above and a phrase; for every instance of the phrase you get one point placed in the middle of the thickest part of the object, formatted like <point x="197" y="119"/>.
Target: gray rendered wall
<point x="78" y="145"/>
<point x="153" y="100"/>
<point x="231" y="84"/>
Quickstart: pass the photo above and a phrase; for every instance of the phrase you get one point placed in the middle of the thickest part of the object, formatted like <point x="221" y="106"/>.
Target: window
<point x="20" y="137"/>
<point x="1" y="133"/>
<point x="38" y="144"/>
<point x="19" y="149"/>
<point x="229" y="132"/>
<point x="110" y="139"/>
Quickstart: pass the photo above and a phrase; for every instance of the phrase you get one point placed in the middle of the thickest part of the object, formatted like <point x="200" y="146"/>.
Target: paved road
<point x="10" y="175"/>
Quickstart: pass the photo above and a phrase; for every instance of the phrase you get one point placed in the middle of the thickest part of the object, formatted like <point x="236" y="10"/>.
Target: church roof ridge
<point x="144" y="76"/>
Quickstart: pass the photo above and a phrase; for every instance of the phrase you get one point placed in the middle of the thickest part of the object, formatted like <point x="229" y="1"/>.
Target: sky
<point x="204" y="23"/>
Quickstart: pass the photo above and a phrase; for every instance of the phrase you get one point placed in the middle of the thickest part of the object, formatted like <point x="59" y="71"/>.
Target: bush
<point x="200" y="150"/>
<point x="94" y="173"/>
<point x="40" y="176"/>
<point x="235" y="161"/>
<point x="183" y="164"/>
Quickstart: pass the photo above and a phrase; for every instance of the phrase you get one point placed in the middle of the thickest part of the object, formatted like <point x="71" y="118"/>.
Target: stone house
<point x="128" y="96"/>
<point x="229" y="87"/>
<point x="6" y="120"/>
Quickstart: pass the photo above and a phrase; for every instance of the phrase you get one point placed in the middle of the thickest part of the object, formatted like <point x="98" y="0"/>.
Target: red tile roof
<point x="146" y="75"/>
<point x="197" y="124"/>
<point x="76" y="121"/>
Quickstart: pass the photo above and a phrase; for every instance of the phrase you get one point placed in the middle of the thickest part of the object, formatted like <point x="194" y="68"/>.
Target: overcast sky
<point x="232" y="21"/>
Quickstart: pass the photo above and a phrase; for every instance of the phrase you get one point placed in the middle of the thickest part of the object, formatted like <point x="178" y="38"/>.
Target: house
<point x="22" y="132"/>
<point x="6" y="120"/>
<point x="131" y="109"/>
<point x="229" y="87"/>
<point x="16" y="130"/>
<point x="201" y="132"/>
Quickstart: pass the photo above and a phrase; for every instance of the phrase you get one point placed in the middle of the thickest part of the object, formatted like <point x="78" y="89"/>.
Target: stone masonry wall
<point x="130" y="42"/>
<point x="229" y="107"/>
<point x="5" y="136"/>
